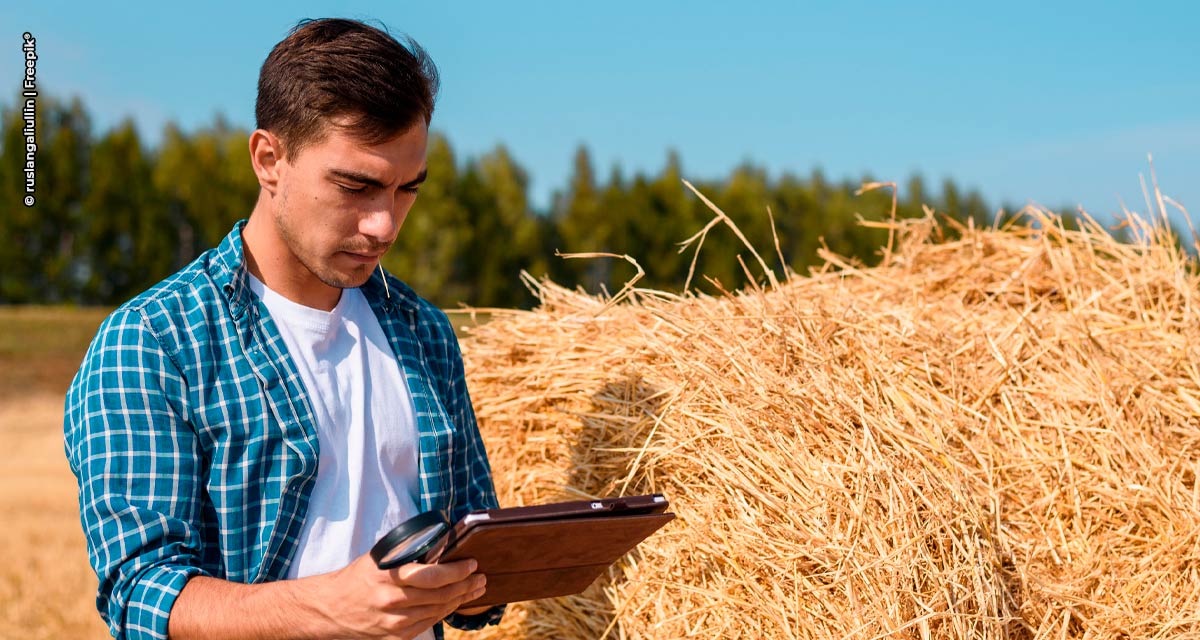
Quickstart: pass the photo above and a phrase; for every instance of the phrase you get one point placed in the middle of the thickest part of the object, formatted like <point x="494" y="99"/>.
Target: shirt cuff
<point x="477" y="621"/>
<point x="149" y="606"/>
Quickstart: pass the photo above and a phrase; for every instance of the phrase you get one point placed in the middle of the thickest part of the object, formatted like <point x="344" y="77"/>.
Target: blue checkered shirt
<point x="195" y="447"/>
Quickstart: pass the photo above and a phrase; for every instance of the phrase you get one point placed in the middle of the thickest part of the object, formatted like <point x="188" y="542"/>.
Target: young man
<point x="244" y="431"/>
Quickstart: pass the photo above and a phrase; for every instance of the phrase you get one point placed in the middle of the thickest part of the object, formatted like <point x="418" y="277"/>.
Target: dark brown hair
<point x="333" y="67"/>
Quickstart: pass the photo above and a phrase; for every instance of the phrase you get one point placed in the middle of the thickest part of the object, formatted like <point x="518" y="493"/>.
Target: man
<point x="245" y="430"/>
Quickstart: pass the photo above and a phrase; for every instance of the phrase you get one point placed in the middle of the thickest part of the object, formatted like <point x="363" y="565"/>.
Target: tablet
<point x="551" y="550"/>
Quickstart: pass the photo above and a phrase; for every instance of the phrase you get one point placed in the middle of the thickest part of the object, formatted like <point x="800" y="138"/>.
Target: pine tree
<point x="583" y="226"/>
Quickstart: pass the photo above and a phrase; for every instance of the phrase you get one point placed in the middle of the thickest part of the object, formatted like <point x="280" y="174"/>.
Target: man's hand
<point x="363" y="600"/>
<point x="358" y="601"/>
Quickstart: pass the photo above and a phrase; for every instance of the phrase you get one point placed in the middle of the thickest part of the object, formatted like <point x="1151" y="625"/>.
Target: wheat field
<point x="47" y="588"/>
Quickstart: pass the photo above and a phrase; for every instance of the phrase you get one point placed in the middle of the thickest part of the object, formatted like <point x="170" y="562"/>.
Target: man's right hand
<point x="358" y="601"/>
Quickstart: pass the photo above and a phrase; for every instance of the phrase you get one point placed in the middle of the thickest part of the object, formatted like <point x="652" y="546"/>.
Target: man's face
<point x="341" y="202"/>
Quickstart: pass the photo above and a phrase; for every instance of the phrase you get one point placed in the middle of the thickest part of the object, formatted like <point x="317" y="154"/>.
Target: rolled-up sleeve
<point x="138" y="467"/>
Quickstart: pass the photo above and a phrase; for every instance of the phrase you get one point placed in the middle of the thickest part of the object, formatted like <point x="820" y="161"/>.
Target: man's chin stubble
<point x="349" y="281"/>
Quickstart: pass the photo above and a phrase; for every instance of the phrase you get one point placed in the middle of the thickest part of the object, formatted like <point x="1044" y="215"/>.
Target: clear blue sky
<point x="1057" y="103"/>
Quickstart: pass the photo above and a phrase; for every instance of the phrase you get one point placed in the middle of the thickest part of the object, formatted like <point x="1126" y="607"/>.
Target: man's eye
<point x="349" y="190"/>
<point x="412" y="189"/>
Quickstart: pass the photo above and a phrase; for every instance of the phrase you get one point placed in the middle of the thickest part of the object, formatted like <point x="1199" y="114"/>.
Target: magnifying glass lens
<point x="413" y="543"/>
<point x="412" y="540"/>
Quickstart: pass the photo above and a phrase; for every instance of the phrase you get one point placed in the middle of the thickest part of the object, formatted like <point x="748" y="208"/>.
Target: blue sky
<point x="1056" y="103"/>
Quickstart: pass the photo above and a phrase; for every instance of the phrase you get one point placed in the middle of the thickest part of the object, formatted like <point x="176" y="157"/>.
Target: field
<point x="46" y="586"/>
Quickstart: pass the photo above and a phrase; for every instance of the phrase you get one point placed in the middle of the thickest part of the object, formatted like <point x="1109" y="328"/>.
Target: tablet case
<point x="553" y="550"/>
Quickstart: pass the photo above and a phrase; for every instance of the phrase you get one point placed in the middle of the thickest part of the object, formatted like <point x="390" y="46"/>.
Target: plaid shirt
<point x="194" y="444"/>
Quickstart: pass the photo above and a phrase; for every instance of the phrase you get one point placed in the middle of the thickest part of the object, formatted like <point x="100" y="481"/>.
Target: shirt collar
<point x="230" y="274"/>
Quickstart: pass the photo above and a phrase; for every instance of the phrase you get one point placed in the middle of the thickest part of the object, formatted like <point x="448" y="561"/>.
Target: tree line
<point x="114" y="216"/>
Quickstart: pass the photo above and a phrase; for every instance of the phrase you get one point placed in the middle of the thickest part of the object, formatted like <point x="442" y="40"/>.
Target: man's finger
<point x="433" y="576"/>
<point x="415" y="596"/>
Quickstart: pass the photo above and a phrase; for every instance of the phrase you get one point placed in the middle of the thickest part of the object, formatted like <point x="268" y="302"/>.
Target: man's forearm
<point x="356" y="601"/>
<point x="216" y="609"/>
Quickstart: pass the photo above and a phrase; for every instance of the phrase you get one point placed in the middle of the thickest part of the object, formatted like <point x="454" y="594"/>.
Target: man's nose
<point x="379" y="224"/>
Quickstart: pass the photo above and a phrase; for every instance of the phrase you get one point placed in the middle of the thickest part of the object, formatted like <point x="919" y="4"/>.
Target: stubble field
<point x="47" y="588"/>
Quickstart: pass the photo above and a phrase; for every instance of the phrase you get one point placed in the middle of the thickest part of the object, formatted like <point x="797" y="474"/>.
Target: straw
<point x="993" y="434"/>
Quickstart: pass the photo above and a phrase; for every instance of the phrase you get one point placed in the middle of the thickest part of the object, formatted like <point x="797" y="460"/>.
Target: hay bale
<point x="994" y="436"/>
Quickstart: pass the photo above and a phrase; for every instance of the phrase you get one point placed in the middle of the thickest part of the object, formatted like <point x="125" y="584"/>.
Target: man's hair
<point x="332" y="67"/>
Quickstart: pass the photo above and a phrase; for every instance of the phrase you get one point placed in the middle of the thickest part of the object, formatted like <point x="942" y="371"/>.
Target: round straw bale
<point x="995" y="435"/>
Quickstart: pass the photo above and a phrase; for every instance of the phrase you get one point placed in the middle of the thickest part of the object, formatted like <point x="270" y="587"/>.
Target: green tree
<point x="431" y="249"/>
<point x="951" y="201"/>
<point x="37" y="256"/>
<point x="794" y="206"/>
<point x="974" y="208"/>
<point x="664" y="213"/>
<point x="505" y="236"/>
<point x="583" y="226"/>
<point x="206" y="182"/>
<point x="744" y="198"/>
<point x="912" y="197"/>
<point x="126" y="239"/>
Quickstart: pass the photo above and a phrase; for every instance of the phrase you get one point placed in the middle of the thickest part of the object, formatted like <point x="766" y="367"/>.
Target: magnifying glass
<point x="414" y="540"/>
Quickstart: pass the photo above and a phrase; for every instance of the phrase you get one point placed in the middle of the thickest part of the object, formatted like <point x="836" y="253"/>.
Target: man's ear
<point x="265" y="156"/>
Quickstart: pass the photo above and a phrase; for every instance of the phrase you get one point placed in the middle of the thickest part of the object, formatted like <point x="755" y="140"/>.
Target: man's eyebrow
<point x="417" y="180"/>
<point x="363" y="178"/>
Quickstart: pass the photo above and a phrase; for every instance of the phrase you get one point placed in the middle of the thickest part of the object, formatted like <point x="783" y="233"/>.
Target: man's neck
<point x="270" y="260"/>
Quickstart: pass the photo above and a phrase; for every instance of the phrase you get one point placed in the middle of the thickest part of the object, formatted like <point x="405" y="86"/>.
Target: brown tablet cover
<point x="552" y="550"/>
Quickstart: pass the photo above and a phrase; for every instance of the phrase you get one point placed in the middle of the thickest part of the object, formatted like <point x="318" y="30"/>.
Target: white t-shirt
<point x="367" y="473"/>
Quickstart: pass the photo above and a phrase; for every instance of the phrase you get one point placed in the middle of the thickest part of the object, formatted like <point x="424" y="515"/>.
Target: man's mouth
<point x="364" y="258"/>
